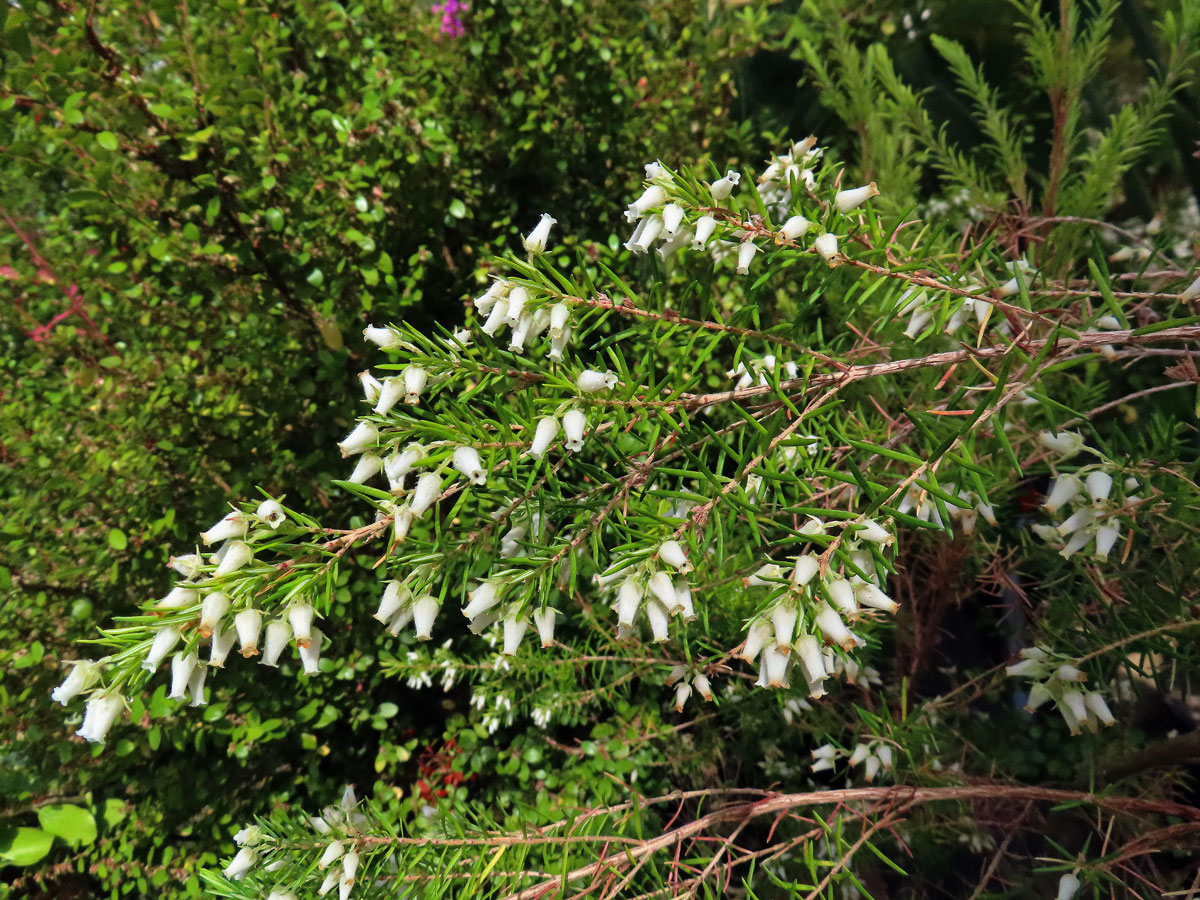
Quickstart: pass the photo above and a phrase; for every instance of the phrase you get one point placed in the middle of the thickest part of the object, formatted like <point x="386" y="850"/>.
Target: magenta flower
<point x="451" y="11"/>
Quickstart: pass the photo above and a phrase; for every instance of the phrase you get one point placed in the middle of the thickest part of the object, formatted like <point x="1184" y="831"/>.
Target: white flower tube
<point x="1068" y="887"/>
<point x="248" y="624"/>
<point x="855" y="197"/>
<point x="349" y="867"/>
<point x="672" y="216"/>
<point x="683" y="600"/>
<point x="425" y="610"/>
<point x="177" y="597"/>
<point x="84" y="673"/>
<point x="196" y="684"/>
<point x="683" y="692"/>
<point x="794" y="227"/>
<point x="514" y="630"/>
<point x="746" y="251"/>
<point x="841" y="593"/>
<point x="395" y="597"/>
<point x="574" y="424"/>
<point x="99" y="715"/>
<point x="723" y="187"/>
<point x="671" y="553"/>
<point x="363" y="436"/>
<point x="370" y="386"/>
<point x="496" y="291"/>
<point x="651" y="197"/>
<point x="544" y="621"/>
<point x="390" y="392"/>
<point x="544" y="433"/>
<point x="702" y="686"/>
<point x="164" y="641"/>
<point x="783" y="622"/>
<point x="1096" y="705"/>
<point x="560" y="315"/>
<point x="1074" y="710"/>
<point x="1068" y="443"/>
<point x="232" y="526"/>
<point x="300" y="617"/>
<point x="415" y="379"/>
<point x="1106" y="537"/>
<point x="310" y="655"/>
<point x="629" y="599"/>
<point x="590" y="381"/>
<point x="756" y="638"/>
<point x="496" y="318"/>
<point x="659" y="618"/>
<point x="367" y="467"/>
<point x="222" y="643"/>
<point x="705" y="227"/>
<point x="1065" y="489"/>
<point x="182" y="666"/>
<point x="869" y="595"/>
<point x="647" y="233"/>
<point x="396" y="466"/>
<point x="805" y="570"/>
<point x="382" y="336"/>
<point x="480" y="600"/>
<point x="402" y="522"/>
<point x="187" y="565"/>
<point x="332" y="854"/>
<point x="826" y="246"/>
<point x="834" y="629"/>
<point x="237" y="554"/>
<point x="808" y="649"/>
<point x="1038" y="694"/>
<point x="277" y="635"/>
<point x="1099" y="485"/>
<point x="467" y="462"/>
<point x="428" y="487"/>
<point x="559" y="344"/>
<point x="662" y="587"/>
<point x="536" y="240"/>
<point x="774" y="670"/>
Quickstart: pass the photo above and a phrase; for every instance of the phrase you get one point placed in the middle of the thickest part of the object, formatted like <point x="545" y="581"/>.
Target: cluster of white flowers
<point x="204" y="594"/>
<point x="336" y="828"/>
<point x="809" y="610"/>
<point x="509" y="304"/>
<point x="921" y="304"/>
<point x="644" y="589"/>
<point x="1056" y="679"/>
<point x="873" y="756"/>
<point x="1093" y="512"/>
<point x="922" y="504"/>
<point x="663" y="215"/>
<point x="685" y="682"/>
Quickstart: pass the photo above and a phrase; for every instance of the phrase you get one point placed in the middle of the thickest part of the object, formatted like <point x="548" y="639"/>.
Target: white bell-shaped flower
<point x="248" y="624"/>
<point x="1065" y="489"/>
<point x="367" y="467"/>
<point x="517" y="298"/>
<point x="1099" y="485"/>
<point x="535" y="242"/>
<point x="196" y="684"/>
<point x="658" y="618"/>
<point x="496" y="318"/>
<point x="271" y="513"/>
<point x="672" y="216"/>
<point x="467" y="462"/>
<point x="683" y="692"/>
<point x="310" y="654"/>
<point x="591" y="380"/>
<point x="514" y="630"/>
<point x="869" y="595"/>
<point x="222" y="643"/>
<point x="300" y="617"/>
<point x="233" y="525"/>
<point x="1106" y="537"/>
<point x="370" y="386"/>
<point x="428" y="487"/>
<point x="746" y="251"/>
<point x="391" y="390"/>
<point x="723" y="187"/>
<point x="415" y="379"/>
<point x="651" y="198"/>
<point x="760" y="632"/>
<point x="182" y="666"/>
<point x="783" y="622"/>
<point x="629" y="599"/>
<point x="854" y="197"/>
<point x="543" y="434"/>
<point x="702" y="686"/>
<point x="425" y="610"/>
<point x="495" y="292"/>
<point x="397" y="465"/>
<point x="794" y="227"/>
<point x="671" y="553"/>
<point x="574" y="424"/>
<point x="333" y="852"/>
<point x="826" y="246"/>
<point x="236" y="555"/>
<point x="544" y="621"/>
<point x="560" y="315"/>
<point x="99" y="715"/>
<point x="805" y="570"/>
<point x="834" y="629"/>
<point x="484" y="597"/>
<point x="188" y="565"/>
<point x="164" y="641"/>
<point x="705" y="226"/>
<point x="841" y="595"/>
<point x="84" y="673"/>
<point x="395" y="596"/>
<point x="382" y="336"/>
<point x="179" y="596"/>
<point x="364" y="436"/>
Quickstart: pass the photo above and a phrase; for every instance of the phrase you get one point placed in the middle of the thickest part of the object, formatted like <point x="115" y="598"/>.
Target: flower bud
<point x="544" y="620"/>
<point x="236" y="555"/>
<point x="370" y="386"/>
<point x="746" y="251"/>
<point x="269" y="512"/>
<point x="1038" y="694"/>
<point x="99" y="715"/>
<point x="1068" y="887"/>
<point x="1099" y="485"/>
<point x="402" y="521"/>
<point x="390" y="392"/>
<point x="547" y="429"/>
<point x="855" y="197"/>
<point x="683" y="600"/>
<point x="300" y="617"/>
<point x="826" y="246"/>
<point x="248" y="623"/>
<point x="182" y="666"/>
<point x="164" y="640"/>
<point x="536" y="241"/>
<point x="363" y="436"/>
<point x="425" y="610"/>
<point x="1069" y="673"/>
<point x="683" y="691"/>
<point x="702" y="686"/>
<point x="232" y="526"/>
<point x="382" y="336"/>
<point x="188" y="565"/>
<point x="806" y="568"/>
<point x="705" y="227"/>
<point x="874" y="532"/>
<point x="428" y="487"/>
<point x="84" y="673"/>
<point x="794" y="227"/>
<point x="466" y="461"/>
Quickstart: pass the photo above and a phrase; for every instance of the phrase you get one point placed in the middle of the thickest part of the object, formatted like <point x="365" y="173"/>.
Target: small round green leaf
<point x="73" y="824"/>
<point x="117" y="539"/>
<point x="107" y="140"/>
<point x="24" y="846"/>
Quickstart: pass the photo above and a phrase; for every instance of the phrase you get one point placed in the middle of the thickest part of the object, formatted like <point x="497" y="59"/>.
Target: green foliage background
<point x="204" y="205"/>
